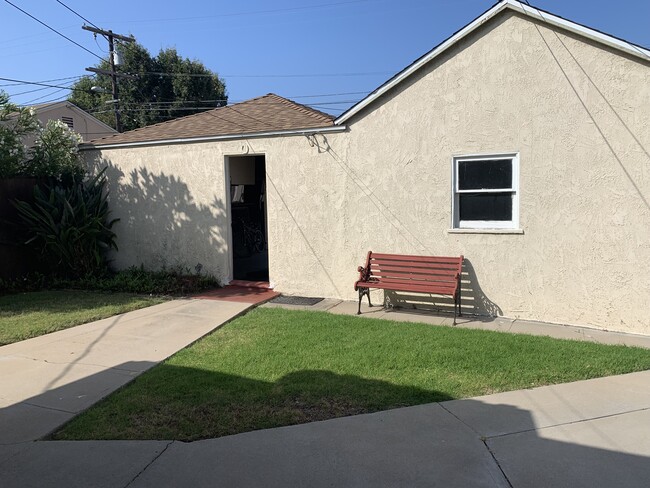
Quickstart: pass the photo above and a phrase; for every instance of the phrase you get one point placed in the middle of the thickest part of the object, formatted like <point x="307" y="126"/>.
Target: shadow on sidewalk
<point x="423" y="444"/>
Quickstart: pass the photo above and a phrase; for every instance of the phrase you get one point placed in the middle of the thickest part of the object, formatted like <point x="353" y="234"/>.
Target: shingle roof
<point x="269" y="113"/>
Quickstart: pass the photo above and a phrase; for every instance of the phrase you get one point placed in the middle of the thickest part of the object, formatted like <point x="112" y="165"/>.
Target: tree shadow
<point x="461" y="443"/>
<point x="161" y="225"/>
<point x="227" y="404"/>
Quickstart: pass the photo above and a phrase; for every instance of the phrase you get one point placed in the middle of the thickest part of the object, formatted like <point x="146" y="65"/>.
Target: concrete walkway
<point x="47" y="380"/>
<point x="585" y="434"/>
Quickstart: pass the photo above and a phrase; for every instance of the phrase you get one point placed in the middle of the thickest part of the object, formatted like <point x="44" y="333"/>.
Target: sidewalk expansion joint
<point x="460" y="420"/>
<point x="496" y="461"/>
<point x="48" y="408"/>
<point x="580" y="421"/>
<point x="149" y="464"/>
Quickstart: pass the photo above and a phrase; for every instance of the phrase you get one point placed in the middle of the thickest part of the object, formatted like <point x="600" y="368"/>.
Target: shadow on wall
<point x="473" y="300"/>
<point x="161" y="225"/>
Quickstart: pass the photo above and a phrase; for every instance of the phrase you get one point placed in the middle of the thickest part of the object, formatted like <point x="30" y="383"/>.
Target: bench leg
<point x="362" y="292"/>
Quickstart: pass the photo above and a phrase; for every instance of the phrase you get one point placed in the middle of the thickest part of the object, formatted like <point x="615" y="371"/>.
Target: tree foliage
<point x="151" y="98"/>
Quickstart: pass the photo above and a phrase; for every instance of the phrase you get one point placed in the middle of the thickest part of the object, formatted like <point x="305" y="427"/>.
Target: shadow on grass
<point x="62" y="301"/>
<point x="190" y="404"/>
<point x="425" y="441"/>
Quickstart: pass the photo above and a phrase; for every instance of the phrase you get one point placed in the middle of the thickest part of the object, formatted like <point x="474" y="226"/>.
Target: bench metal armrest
<point x="364" y="274"/>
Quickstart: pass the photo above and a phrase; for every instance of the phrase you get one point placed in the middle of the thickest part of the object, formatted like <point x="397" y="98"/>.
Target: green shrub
<point x="178" y="281"/>
<point x="70" y="226"/>
<point x="55" y="154"/>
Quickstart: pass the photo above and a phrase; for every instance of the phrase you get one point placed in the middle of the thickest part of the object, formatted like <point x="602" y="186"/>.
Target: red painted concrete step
<point x="251" y="284"/>
<point x="245" y="294"/>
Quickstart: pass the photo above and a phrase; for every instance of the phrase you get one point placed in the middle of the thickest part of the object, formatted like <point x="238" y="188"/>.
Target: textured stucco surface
<point x="577" y="113"/>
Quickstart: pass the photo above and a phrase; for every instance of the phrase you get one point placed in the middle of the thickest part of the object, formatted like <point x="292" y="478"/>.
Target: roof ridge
<point x="302" y="107"/>
<point x="270" y="112"/>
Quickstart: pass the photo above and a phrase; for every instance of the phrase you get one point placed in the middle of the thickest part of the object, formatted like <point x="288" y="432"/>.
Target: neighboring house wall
<point x="577" y="114"/>
<point x="81" y="122"/>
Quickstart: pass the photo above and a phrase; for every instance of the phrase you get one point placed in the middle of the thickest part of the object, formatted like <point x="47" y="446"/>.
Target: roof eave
<point x="226" y="137"/>
<point x="517" y="6"/>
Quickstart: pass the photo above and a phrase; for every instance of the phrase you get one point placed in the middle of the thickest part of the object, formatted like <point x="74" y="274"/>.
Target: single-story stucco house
<point x="522" y="142"/>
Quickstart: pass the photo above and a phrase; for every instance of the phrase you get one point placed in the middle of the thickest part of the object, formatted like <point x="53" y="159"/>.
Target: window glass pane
<point x="483" y="175"/>
<point x="485" y="206"/>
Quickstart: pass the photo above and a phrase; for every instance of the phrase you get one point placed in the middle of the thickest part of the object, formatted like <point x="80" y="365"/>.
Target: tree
<point x="165" y="87"/>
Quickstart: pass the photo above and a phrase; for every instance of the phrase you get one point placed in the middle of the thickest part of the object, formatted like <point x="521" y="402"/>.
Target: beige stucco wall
<point x="578" y="115"/>
<point x="88" y="127"/>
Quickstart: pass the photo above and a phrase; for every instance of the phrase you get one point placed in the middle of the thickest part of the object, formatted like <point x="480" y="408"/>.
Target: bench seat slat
<point x="439" y="290"/>
<point x="397" y="281"/>
<point x="450" y="273"/>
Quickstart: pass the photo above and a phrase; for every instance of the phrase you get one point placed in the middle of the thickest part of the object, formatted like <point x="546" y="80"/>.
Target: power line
<point x="53" y="29"/>
<point x="46" y="101"/>
<point x="239" y="14"/>
<point x="42" y="81"/>
<point x="29" y="91"/>
<point x="76" y="13"/>
<point x="44" y="84"/>
<point x="45" y="96"/>
<point x="291" y="75"/>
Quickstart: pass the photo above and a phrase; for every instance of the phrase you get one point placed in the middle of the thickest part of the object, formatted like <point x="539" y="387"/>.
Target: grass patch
<point x="275" y="367"/>
<point x="26" y="315"/>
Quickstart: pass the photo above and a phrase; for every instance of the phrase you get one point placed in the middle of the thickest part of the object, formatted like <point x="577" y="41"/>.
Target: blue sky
<point x="308" y="50"/>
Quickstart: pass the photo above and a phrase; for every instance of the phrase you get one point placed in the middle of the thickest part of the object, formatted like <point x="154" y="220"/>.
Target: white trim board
<point x="520" y="7"/>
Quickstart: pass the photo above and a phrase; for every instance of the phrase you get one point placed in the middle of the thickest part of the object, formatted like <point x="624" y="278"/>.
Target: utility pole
<point x="110" y="36"/>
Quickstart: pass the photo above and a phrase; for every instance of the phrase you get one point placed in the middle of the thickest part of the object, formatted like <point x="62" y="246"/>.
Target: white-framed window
<point x="486" y="191"/>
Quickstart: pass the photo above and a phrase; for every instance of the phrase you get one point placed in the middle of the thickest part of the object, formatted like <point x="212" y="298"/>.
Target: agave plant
<point x="70" y="226"/>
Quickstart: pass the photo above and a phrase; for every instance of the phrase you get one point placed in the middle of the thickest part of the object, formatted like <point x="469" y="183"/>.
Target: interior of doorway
<point x="248" y="217"/>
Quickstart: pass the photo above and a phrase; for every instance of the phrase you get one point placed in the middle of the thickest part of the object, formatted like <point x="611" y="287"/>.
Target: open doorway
<point x="250" y="257"/>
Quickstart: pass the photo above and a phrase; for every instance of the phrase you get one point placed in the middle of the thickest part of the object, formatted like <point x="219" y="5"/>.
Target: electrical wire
<point x="239" y="14"/>
<point x="41" y="81"/>
<point x="292" y="75"/>
<point x="77" y="14"/>
<point x="53" y="29"/>
<point x="44" y="84"/>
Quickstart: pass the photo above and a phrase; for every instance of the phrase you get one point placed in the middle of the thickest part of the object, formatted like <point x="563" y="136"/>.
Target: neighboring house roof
<point x="513" y="5"/>
<point x="43" y="108"/>
<point x="266" y="115"/>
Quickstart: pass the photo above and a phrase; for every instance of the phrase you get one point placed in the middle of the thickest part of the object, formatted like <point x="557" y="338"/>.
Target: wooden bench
<point x="419" y="274"/>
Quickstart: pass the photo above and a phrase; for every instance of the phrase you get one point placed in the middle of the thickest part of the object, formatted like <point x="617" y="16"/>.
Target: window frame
<point x="456" y="223"/>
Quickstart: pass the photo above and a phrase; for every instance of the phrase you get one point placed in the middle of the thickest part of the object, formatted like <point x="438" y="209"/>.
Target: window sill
<point x="485" y="231"/>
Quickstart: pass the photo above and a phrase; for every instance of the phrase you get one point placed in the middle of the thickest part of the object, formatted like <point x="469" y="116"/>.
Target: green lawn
<point x="26" y="315"/>
<point x="274" y="367"/>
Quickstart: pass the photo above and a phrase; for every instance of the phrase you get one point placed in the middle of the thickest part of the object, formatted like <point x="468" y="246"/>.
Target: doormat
<point x="287" y="300"/>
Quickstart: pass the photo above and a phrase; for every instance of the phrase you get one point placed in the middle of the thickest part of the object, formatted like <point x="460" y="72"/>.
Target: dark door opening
<point x="248" y="218"/>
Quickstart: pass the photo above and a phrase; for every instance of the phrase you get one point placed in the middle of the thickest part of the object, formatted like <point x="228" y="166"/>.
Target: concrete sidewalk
<point x="584" y="434"/>
<point x="593" y="433"/>
<point x="47" y="380"/>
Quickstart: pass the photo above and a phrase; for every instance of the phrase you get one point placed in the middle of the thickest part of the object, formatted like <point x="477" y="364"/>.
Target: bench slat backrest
<point x="440" y="271"/>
